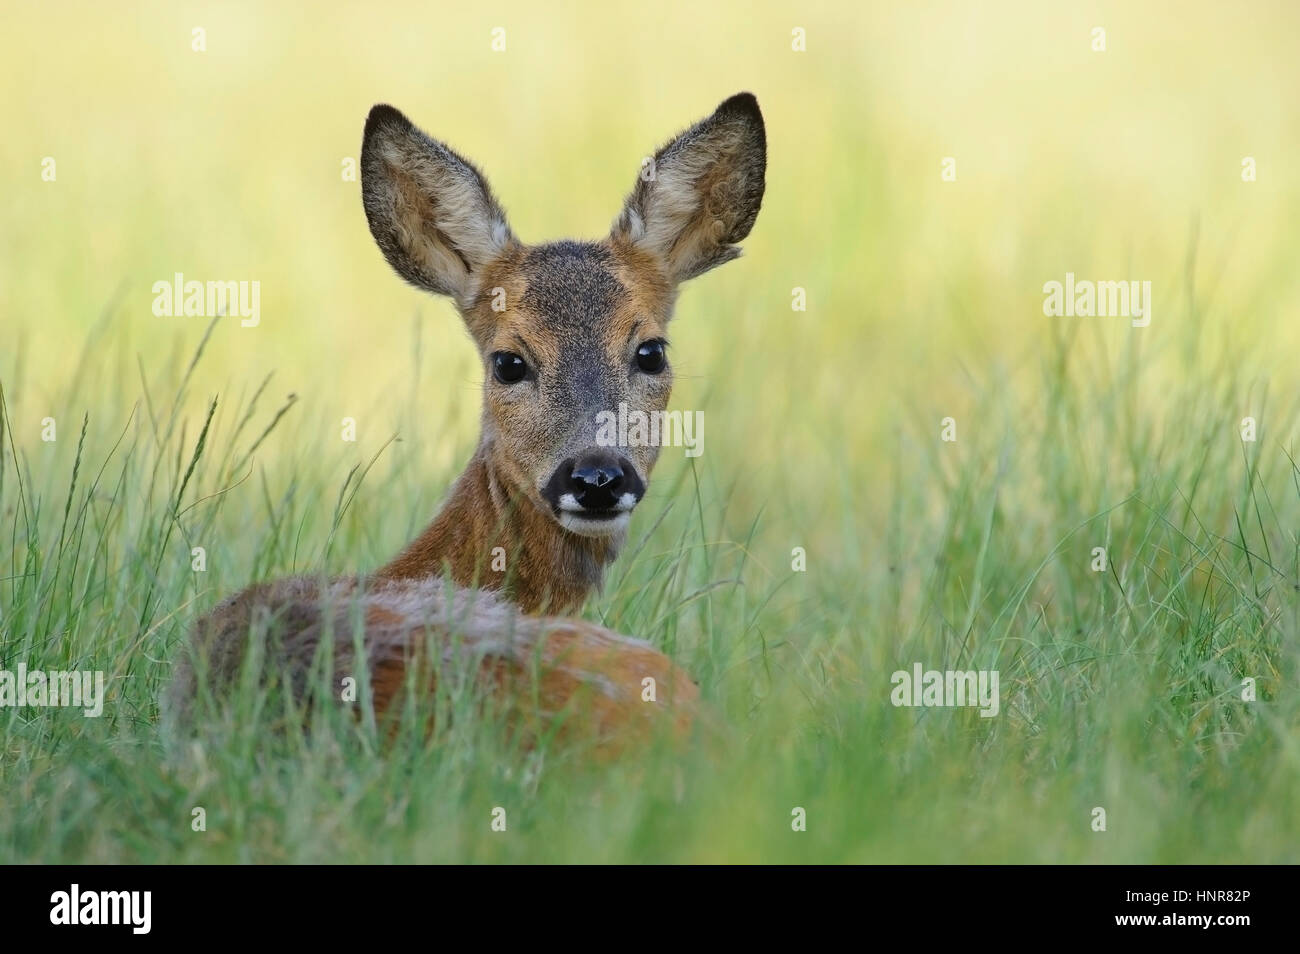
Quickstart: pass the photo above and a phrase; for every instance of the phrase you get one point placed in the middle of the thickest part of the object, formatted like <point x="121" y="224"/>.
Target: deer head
<point x="566" y="329"/>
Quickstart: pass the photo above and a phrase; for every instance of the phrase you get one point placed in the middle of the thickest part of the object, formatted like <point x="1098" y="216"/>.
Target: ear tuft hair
<point x="701" y="193"/>
<point x="430" y="211"/>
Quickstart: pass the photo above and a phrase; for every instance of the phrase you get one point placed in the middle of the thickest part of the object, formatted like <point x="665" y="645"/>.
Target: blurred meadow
<point x="1121" y="689"/>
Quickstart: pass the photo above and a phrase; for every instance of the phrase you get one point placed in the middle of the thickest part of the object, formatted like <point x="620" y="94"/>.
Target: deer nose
<point x="596" y="480"/>
<point x="596" y="485"/>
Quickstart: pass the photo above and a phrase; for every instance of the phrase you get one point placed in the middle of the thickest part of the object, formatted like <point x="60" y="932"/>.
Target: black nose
<point x="597" y="484"/>
<point x="596" y="481"/>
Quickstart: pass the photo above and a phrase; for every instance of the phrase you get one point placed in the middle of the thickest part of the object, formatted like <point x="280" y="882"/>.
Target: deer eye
<point x="650" y="357"/>
<point x="508" y="367"/>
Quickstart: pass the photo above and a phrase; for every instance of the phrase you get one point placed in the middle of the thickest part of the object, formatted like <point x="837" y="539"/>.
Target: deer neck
<point x="540" y="566"/>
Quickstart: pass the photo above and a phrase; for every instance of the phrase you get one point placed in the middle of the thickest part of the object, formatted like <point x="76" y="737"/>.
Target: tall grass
<point x="1121" y="689"/>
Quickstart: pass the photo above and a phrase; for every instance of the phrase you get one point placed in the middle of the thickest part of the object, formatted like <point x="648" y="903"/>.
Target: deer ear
<point x="700" y="194"/>
<point x="430" y="211"/>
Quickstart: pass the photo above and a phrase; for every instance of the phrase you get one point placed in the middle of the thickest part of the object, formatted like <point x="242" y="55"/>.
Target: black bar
<point x="334" y="904"/>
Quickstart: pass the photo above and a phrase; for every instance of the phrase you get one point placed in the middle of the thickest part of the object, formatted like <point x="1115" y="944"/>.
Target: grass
<point x="1120" y="689"/>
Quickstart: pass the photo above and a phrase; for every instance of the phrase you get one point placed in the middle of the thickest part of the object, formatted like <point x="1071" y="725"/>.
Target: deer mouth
<point x="594" y="523"/>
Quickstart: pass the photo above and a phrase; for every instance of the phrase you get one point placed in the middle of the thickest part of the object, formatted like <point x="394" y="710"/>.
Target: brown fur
<point x="550" y="570"/>
<point x="547" y="671"/>
<point x="575" y="314"/>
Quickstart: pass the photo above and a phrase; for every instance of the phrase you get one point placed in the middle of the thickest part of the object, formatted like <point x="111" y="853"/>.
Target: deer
<point x="565" y="330"/>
